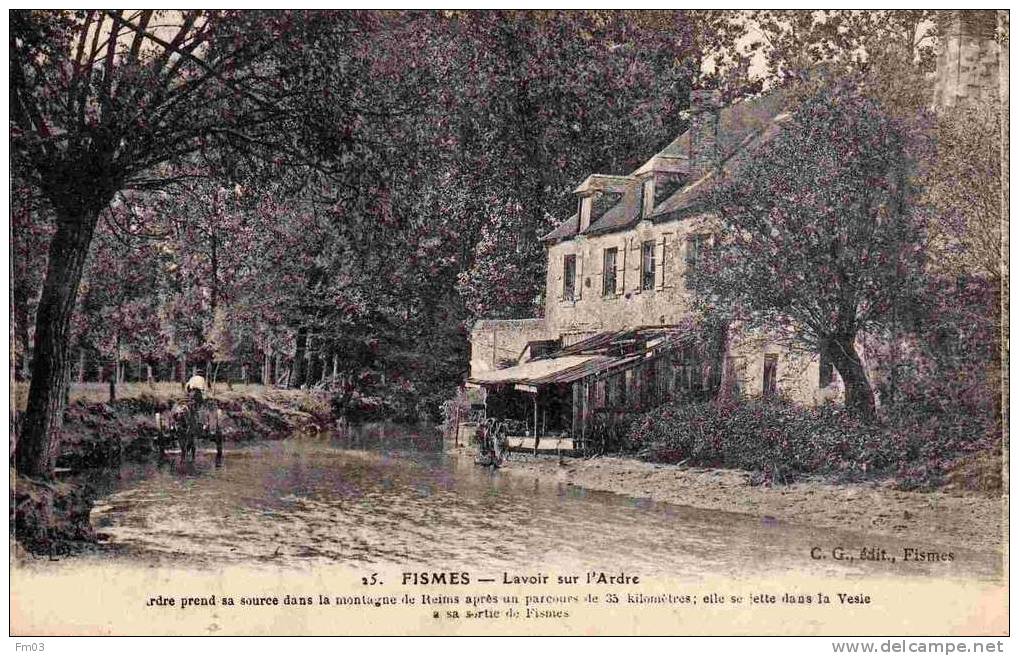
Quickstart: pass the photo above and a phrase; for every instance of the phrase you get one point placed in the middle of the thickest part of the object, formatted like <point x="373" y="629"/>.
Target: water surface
<point x="391" y="496"/>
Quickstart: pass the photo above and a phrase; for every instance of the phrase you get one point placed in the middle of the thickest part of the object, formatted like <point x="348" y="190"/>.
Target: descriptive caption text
<point x="533" y="596"/>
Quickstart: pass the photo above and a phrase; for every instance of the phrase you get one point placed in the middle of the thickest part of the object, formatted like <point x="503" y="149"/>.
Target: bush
<point x="781" y="441"/>
<point x="611" y="431"/>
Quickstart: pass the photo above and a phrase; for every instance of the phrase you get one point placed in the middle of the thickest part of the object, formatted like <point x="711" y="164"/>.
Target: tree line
<point x="338" y="195"/>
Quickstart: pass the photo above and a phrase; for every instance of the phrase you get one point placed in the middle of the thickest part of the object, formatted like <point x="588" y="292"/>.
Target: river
<point x="391" y="496"/>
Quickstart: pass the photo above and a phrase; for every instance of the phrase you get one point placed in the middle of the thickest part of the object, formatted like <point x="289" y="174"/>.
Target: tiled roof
<point x="598" y="354"/>
<point x="689" y="196"/>
<point x="624" y="213"/>
<point x="739" y="126"/>
<point x="565" y="230"/>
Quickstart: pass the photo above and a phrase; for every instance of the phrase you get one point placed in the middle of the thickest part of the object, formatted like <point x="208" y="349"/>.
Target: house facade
<point x="621" y="261"/>
<point x="616" y="276"/>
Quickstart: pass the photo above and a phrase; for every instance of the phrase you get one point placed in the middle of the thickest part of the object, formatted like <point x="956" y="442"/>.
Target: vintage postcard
<point x="530" y="322"/>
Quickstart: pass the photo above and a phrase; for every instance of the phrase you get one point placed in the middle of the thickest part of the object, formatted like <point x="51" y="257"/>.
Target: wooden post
<point x="535" y="423"/>
<point x="148" y="374"/>
<point x="113" y="384"/>
<point x="81" y="365"/>
<point x="219" y="437"/>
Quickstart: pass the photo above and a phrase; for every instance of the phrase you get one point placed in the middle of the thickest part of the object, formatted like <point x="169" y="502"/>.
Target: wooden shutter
<point x="578" y="293"/>
<point x="636" y="245"/>
<point x="620" y="269"/>
<point x="599" y="275"/>
<point x="660" y="264"/>
<point x="557" y="282"/>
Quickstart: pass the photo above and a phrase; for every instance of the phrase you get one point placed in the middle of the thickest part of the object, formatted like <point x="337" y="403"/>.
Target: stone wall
<point x="797" y="371"/>
<point x="496" y="342"/>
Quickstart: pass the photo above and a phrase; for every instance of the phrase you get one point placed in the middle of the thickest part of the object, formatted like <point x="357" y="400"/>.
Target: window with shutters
<point x="569" y="277"/>
<point x="608" y="287"/>
<point x="770" y="374"/>
<point x="696" y="248"/>
<point x="647" y="265"/>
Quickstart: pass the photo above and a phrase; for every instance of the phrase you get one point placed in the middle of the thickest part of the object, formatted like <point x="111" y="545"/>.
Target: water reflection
<point x="390" y="496"/>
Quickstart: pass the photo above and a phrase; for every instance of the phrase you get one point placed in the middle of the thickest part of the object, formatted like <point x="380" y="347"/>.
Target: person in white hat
<point x="196" y="387"/>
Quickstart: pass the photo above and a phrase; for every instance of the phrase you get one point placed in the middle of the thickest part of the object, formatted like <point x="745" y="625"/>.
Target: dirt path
<point x="933" y="518"/>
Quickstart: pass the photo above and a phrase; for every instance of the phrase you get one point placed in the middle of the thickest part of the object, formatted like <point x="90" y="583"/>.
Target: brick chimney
<point x="704" y="108"/>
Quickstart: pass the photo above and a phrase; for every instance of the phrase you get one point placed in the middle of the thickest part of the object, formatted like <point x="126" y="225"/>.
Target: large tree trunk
<point x="39" y="439"/>
<point x="859" y="394"/>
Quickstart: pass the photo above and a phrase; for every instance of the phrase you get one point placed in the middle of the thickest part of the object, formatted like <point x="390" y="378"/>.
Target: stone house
<point x="615" y="295"/>
<point x="615" y="334"/>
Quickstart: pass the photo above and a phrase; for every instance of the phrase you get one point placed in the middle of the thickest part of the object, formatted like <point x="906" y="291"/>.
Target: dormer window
<point x="666" y="184"/>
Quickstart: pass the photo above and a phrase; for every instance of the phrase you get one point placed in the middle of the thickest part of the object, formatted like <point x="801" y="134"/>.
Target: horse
<point x="184" y="423"/>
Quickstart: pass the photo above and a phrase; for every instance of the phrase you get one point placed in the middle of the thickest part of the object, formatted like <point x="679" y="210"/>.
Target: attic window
<point x="602" y="202"/>
<point x="666" y="184"/>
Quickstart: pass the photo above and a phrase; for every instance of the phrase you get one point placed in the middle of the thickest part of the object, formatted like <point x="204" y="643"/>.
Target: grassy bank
<point x="99" y="435"/>
<point x="165" y="392"/>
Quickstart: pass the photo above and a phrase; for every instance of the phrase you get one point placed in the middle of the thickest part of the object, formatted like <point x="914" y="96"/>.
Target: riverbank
<point x="98" y="436"/>
<point x="930" y="518"/>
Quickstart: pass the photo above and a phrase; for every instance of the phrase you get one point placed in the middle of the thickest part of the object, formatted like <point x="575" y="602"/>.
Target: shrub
<point x="781" y="441"/>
